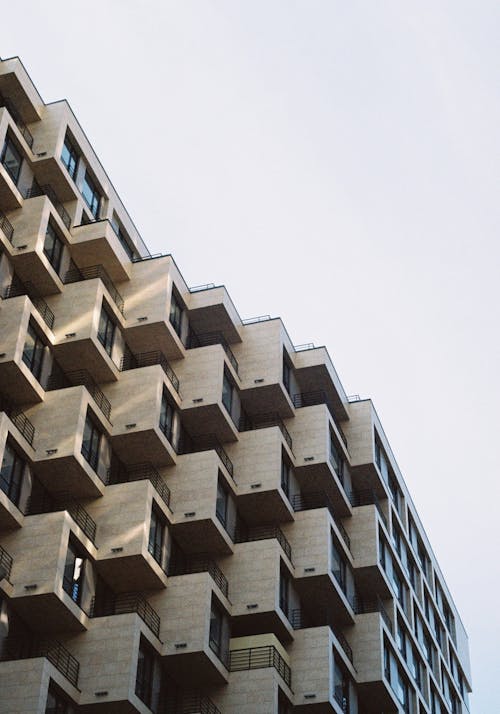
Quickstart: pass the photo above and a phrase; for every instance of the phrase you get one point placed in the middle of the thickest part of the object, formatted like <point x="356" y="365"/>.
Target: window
<point x="91" y="442"/>
<point x="227" y="392"/>
<point x="285" y="476"/>
<point x="69" y="157"/>
<point x="106" y="330"/>
<point x="11" y="159"/>
<point x="387" y="663"/>
<point x="53" y="248"/>
<point x="176" y="311"/>
<point x="167" y="412"/>
<point x="57" y="703"/>
<point x="217" y="638"/>
<point x="222" y="501"/>
<point x="401" y="640"/>
<point x="11" y="474"/>
<point x="145" y="673"/>
<point x="402" y="691"/>
<point x="73" y="573"/>
<point x="91" y="195"/>
<point x="336" y="459"/>
<point x="340" y="685"/>
<point x="156" y="543"/>
<point x="34" y="350"/>
<point x="284" y="591"/>
<point x="287" y="374"/>
<point x="122" y="237"/>
<point x="381" y="554"/>
<point x="284" y="706"/>
<point x="338" y="565"/>
<point x="397" y="586"/>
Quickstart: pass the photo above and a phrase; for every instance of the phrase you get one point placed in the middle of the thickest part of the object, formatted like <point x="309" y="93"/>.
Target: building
<point x="194" y="517"/>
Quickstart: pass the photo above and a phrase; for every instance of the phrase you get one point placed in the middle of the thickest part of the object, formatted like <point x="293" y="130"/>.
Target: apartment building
<point x="194" y="516"/>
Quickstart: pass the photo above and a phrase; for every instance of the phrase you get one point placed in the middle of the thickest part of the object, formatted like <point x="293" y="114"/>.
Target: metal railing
<point x="252" y="320"/>
<point x="63" y="502"/>
<point x="5" y="564"/>
<point x="200" y="288"/>
<point x="47" y="190"/>
<point x="246" y="534"/>
<point x="6" y="226"/>
<point x="81" y="377"/>
<point x="367" y="497"/>
<point x="19" y="419"/>
<point x="187" y="704"/>
<point x="75" y="275"/>
<point x="200" y="564"/>
<point x="367" y="606"/>
<point x="212" y="338"/>
<point x="311" y="399"/>
<point x="18" y="288"/>
<point x="305" y="346"/>
<point x="319" y="499"/>
<point x="141" y="472"/>
<point x="55" y="652"/>
<point x="260" y="658"/>
<point x="125" y="603"/>
<point x="264" y="421"/>
<point x="147" y="359"/>
<point x="206" y="442"/>
<point x="23" y="129"/>
<point x="300" y="620"/>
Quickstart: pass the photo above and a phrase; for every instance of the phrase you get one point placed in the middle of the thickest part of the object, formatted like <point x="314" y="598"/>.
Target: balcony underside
<point x="323" y="592"/>
<point x="261" y="507"/>
<point x="267" y="398"/>
<point x="68" y="475"/>
<point x="47" y="613"/>
<point x="315" y="477"/>
<point x="204" y="419"/>
<point x="182" y="666"/>
<point x="202" y="536"/>
<point x="128" y="573"/>
<point x="260" y="623"/>
<point x="148" y="336"/>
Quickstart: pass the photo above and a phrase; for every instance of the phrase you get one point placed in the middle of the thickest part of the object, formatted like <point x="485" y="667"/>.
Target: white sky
<point x="336" y="164"/>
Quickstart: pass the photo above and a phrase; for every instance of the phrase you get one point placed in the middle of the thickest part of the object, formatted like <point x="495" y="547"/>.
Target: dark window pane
<point x="53" y="248"/>
<point x="33" y="351"/>
<point x="11" y="474"/>
<point x="91" y="442"/>
<point x="106" y="331"/>
<point x="91" y="195"/>
<point x="12" y="160"/>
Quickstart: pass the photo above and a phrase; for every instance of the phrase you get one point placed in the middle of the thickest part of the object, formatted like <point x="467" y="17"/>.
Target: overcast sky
<point x="335" y="163"/>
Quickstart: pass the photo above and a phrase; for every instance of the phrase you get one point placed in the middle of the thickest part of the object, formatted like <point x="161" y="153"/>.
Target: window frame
<point x="55" y="253"/>
<point x="10" y="145"/>
<point x="35" y="360"/>
<point x="14" y="482"/>
<point x="91" y="454"/>
<point x="106" y="329"/>
<point x="71" y="165"/>
<point x="92" y="196"/>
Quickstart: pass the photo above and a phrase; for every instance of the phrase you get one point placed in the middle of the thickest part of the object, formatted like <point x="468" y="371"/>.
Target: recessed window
<point x="222" y="502"/>
<point x="167" y="412"/>
<point x="227" y="391"/>
<point x="287" y="373"/>
<point x="286" y="470"/>
<point x="145" y="673"/>
<point x="53" y="247"/>
<point x="91" y="442"/>
<point x="284" y="591"/>
<point x="11" y="159"/>
<point x="338" y="564"/>
<point x="122" y="237"/>
<point x="106" y="330"/>
<point x="57" y="702"/>
<point x="74" y="572"/>
<point x="219" y="631"/>
<point x="91" y="194"/>
<point x="34" y="351"/>
<point x="176" y="310"/>
<point x="11" y="474"/>
<point x="69" y="157"/>
<point x="336" y="459"/>
<point x="156" y="542"/>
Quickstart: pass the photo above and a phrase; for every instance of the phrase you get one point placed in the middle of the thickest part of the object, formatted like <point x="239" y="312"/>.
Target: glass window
<point x="33" y="352"/>
<point x="122" y="237"/>
<point x="11" y="474"/>
<point x="53" y="247"/>
<point x="336" y="459"/>
<point x="69" y="157"/>
<point x="402" y="692"/>
<point x="287" y="374"/>
<point x="217" y="635"/>
<point x="340" y="685"/>
<point x="227" y="392"/>
<point x="57" y="702"/>
<point x="91" y="442"/>
<point x="12" y="159"/>
<point x="167" y="412"/>
<point x="91" y="195"/>
<point x="401" y="640"/>
<point x="156" y="543"/>
<point x="285" y="476"/>
<point x="338" y="565"/>
<point x="106" y="330"/>
<point x="145" y="671"/>
<point x="387" y="663"/>
<point x="222" y="502"/>
<point x="73" y="573"/>
<point x="176" y="312"/>
<point x="397" y="586"/>
<point x="284" y="591"/>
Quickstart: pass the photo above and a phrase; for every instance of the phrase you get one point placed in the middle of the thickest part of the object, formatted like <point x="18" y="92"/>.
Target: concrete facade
<point x="194" y="517"/>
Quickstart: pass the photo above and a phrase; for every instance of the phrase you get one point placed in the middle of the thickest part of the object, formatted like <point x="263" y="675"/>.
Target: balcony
<point x="248" y="534"/>
<point x="141" y="472"/>
<point x="200" y="563"/>
<point x="6" y="226"/>
<point x="76" y="275"/>
<point x="147" y="359"/>
<point x="206" y="442"/>
<point x="301" y="619"/>
<point x="311" y="399"/>
<point x="97" y="242"/>
<point x="260" y="658"/>
<point x="63" y="380"/>
<point x="125" y="603"/>
<point x="18" y="288"/>
<point x="64" y="502"/>
<point x="5" y="570"/>
<point x="55" y="652"/>
<point x="315" y="373"/>
<point x="320" y="499"/>
<point x="46" y="190"/>
<point x="211" y="309"/>
<point x="23" y="129"/>
<point x="265" y="421"/>
<point x="212" y="338"/>
<point x="18" y="418"/>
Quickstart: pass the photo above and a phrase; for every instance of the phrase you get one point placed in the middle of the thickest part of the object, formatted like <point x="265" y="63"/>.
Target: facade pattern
<point x="194" y="516"/>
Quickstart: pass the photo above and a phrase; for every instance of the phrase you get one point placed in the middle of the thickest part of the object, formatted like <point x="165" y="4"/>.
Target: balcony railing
<point x="6" y="226"/>
<point x="264" y="421"/>
<point x="311" y="399"/>
<point x="141" y="472"/>
<point x="61" y="380"/>
<point x="205" y="442"/>
<point x="63" y="502"/>
<point x="5" y="564"/>
<point x="367" y="497"/>
<point x="55" y="652"/>
<point x="200" y="564"/>
<point x="47" y="190"/>
<point x="260" y="658"/>
<point x="18" y="418"/>
<point x="366" y="606"/>
<point x="187" y="704"/>
<point x="245" y="534"/>
<point x="147" y="359"/>
<point x="25" y="132"/>
<point x="212" y="338"/>
<point x="125" y="603"/>
<point x="75" y="275"/>
<point x="17" y="288"/>
<point x="319" y="499"/>
<point x="299" y="619"/>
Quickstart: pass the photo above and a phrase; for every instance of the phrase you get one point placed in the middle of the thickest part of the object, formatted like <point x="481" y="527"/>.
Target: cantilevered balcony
<point x="21" y="649"/>
<point x="37" y="190"/>
<point x="98" y="242"/>
<point x="199" y="563"/>
<point x="147" y="359"/>
<point x="6" y="227"/>
<point x="126" y="603"/>
<point x="17" y="288"/>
